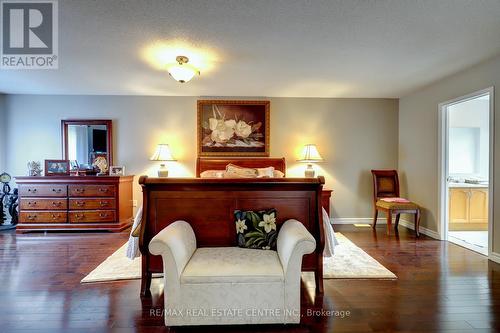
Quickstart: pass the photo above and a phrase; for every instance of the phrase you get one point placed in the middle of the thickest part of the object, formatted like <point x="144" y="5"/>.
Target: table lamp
<point x="310" y="155"/>
<point x="162" y="153"/>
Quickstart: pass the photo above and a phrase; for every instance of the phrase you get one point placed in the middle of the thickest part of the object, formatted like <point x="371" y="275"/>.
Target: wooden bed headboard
<point x="204" y="164"/>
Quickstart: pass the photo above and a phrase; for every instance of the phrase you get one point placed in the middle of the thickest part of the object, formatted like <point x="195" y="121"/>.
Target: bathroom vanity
<point x="468" y="206"/>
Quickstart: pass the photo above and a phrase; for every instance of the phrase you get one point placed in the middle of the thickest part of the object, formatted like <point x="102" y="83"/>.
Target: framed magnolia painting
<point x="233" y="128"/>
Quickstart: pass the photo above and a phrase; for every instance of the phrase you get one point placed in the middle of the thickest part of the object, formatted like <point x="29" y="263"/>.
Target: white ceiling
<point x="307" y="48"/>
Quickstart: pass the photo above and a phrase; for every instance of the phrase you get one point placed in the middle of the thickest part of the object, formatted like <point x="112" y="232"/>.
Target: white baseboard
<point x="494" y="257"/>
<point x="422" y="230"/>
<point x="369" y="220"/>
<point x="353" y="220"/>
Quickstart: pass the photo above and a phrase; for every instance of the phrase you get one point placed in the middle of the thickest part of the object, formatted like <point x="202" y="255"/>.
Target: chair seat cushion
<point x="397" y="205"/>
<point x="232" y="265"/>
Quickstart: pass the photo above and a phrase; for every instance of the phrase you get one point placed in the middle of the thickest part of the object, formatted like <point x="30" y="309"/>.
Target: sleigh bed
<point x="207" y="204"/>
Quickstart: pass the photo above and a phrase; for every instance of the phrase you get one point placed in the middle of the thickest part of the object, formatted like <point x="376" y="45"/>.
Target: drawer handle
<point x="103" y="189"/>
<point x="79" y="216"/>
<point x="79" y="190"/>
<point x="56" y="204"/>
<point x="80" y="203"/>
<point x="57" y="190"/>
<point x="33" y="190"/>
<point x="31" y="203"/>
<point x="55" y="217"/>
<point x="103" y="215"/>
<point x="31" y="217"/>
<point x="103" y="203"/>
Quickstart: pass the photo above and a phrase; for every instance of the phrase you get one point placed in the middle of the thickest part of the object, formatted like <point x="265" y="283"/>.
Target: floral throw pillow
<point x="256" y="230"/>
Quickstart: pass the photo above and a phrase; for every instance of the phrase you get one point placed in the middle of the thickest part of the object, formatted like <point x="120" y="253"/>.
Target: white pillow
<point x="265" y="172"/>
<point x="234" y="175"/>
<point x="212" y="174"/>
<point x="278" y="174"/>
<point x="235" y="171"/>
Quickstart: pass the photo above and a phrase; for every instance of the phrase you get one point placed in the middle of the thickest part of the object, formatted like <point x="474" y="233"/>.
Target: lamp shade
<point x="182" y="71"/>
<point x="162" y="153"/>
<point x="310" y="154"/>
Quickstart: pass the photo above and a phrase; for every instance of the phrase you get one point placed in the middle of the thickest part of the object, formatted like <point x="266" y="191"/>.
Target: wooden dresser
<point x="75" y="203"/>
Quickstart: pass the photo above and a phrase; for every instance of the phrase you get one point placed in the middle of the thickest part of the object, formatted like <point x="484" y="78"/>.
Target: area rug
<point x="348" y="262"/>
<point x="351" y="262"/>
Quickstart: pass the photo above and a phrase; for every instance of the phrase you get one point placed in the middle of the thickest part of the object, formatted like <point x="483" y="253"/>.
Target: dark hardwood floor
<point x="441" y="287"/>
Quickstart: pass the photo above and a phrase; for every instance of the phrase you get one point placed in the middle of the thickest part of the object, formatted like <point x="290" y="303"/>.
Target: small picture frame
<point x="57" y="168"/>
<point x="117" y="170"/>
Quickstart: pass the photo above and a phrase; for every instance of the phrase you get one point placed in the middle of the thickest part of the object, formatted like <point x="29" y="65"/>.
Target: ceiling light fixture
<point x="182" y="71"/>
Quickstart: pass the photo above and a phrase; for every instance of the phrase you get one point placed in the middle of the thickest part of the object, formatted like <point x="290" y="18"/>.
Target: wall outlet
<point x="134" y="203"/>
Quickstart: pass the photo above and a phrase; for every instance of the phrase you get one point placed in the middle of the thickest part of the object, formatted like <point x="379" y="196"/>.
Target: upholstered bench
<point x="231" y="285"/>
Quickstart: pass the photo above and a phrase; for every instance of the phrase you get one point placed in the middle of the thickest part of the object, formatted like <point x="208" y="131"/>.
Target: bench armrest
<point x="293" y="242"/>
<point x="176" y="244"/>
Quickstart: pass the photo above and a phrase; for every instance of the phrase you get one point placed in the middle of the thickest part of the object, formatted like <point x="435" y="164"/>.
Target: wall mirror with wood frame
<point x="85" y="140"/>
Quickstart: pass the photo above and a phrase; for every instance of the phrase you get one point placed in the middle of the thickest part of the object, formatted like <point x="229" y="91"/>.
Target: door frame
<point x="443" y="123"/>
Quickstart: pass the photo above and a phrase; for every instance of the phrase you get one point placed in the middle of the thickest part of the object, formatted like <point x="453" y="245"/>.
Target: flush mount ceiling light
<point x="182" y="71"/>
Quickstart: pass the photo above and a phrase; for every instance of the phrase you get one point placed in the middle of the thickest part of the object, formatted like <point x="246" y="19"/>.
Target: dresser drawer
<point x="43" y="217"/>
<point x="43" y="204"/>
<point x="101" y="203"/>
<point x="27" y="190"/>
<point x="83" y="216"/>
<point x="92" y="190"/>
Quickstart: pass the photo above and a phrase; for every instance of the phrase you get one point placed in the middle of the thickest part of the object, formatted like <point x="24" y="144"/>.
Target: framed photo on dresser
<point x="57" y="168"/>
<point x="117" y="170"/>
<point x="233" y="128"/>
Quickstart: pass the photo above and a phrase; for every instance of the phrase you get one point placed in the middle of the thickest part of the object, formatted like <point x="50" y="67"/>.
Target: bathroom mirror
<point x="464" y="151"/>
<point x="85" y="140"/>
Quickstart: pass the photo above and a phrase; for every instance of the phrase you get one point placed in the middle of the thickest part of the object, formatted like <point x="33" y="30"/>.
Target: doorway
<point x="466" y="172"/>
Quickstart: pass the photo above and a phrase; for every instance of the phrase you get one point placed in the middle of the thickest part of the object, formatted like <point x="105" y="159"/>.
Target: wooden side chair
<point x="386" y="198"/>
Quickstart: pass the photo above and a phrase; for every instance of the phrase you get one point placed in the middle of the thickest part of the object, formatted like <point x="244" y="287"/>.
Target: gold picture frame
<point x="233" y="128"/>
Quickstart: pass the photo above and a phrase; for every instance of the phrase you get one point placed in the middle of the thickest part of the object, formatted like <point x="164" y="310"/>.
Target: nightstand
<point x="325" y="199"/>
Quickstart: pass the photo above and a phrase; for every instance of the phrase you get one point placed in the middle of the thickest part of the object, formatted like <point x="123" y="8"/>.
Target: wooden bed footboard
<point x="208" y="206"/>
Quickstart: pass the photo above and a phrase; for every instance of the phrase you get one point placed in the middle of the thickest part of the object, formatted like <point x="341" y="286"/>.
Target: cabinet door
<point x="459" y="205"/>
<point x="479" y="205"/>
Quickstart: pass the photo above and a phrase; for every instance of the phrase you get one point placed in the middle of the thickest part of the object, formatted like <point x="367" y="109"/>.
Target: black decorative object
<point x="8" y="203"/>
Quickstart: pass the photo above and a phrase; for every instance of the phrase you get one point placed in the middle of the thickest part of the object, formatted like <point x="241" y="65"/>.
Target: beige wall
<point x="418" y="138"/>
<point x="353" y="135"/>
